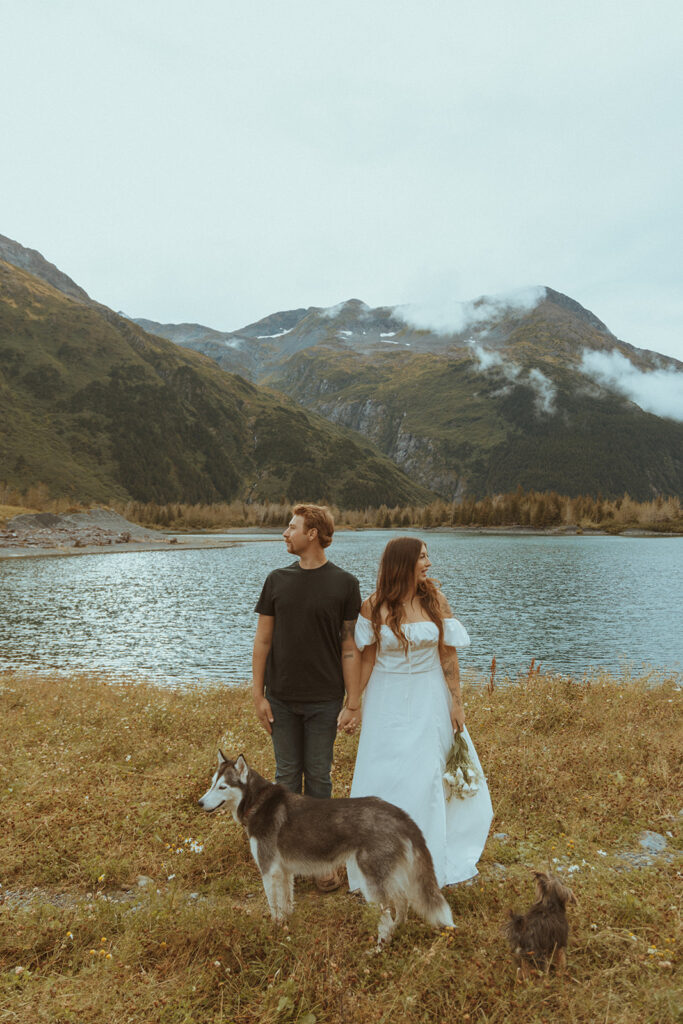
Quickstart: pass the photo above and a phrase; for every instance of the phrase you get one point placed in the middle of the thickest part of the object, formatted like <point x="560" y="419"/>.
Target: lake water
<point x="571" y="603"/>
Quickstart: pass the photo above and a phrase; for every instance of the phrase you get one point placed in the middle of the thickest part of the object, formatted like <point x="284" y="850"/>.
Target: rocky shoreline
<point x="98" y="531"/>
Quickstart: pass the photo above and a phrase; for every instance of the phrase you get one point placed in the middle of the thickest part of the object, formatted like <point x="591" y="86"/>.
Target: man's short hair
<point x="317" y="517"/>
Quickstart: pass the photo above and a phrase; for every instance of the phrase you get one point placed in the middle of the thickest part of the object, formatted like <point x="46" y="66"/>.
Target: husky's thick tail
<point x="427" y="900"/>
<point x="413" y="883"/>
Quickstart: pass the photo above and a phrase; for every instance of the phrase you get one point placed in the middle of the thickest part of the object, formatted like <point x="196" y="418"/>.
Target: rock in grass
<point x="653" y="842"/>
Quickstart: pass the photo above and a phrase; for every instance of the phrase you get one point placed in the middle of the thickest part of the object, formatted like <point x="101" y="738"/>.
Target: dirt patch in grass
<point x="99" y="780"/>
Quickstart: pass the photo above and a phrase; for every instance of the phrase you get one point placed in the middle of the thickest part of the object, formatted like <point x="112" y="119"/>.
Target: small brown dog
<point x="538" y="939"/>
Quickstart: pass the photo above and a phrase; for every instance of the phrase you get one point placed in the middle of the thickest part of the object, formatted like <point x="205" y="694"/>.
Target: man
<point x="305" y="658"/>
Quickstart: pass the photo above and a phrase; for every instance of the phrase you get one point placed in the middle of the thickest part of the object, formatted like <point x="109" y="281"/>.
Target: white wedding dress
<point x="405" y="739"/>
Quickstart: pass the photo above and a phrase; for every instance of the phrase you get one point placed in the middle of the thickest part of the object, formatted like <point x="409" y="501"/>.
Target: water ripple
<point x="180" y="616"/>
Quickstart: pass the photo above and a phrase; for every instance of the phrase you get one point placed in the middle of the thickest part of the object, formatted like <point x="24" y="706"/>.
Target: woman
<point x="412" y="706"/>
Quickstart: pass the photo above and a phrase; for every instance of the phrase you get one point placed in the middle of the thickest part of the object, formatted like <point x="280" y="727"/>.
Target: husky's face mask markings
<point x="227" y="786"/>
<point x="296" y="835"/>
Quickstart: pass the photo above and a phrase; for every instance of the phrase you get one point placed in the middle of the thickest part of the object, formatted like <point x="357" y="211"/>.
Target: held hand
<point x="457" y="716"/>
<point x="348" y="720"/>
<point x="264" y="713"/>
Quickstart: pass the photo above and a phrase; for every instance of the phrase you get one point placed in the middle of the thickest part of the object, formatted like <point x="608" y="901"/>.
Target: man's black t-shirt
<point x="309" y="607"/>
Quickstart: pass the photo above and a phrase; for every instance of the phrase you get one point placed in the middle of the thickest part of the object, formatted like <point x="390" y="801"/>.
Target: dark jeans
<point x="303" y="740"/>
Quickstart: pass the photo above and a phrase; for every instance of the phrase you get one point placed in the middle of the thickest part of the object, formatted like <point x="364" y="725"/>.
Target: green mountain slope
<point x="460" y="430"/>
<point x="95" y="407"/>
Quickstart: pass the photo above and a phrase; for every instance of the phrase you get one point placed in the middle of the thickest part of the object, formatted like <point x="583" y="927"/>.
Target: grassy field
<point x="123" y="902"/>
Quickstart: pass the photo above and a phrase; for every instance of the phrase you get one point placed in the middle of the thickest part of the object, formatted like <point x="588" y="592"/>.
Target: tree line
<point x="531" y="509"/>
<point x="541" y="510"/>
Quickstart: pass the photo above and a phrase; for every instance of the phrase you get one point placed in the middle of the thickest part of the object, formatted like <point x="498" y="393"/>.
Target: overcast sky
<point x="217" y="161"/>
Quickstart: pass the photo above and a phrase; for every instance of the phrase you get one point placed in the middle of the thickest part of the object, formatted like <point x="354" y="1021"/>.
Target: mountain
<point x="95" y="407"/>
<point x="36" y="264"/>
<point x="223" y="347"/>
<point x="244" y="352"/>
<point x="475" y="398"/>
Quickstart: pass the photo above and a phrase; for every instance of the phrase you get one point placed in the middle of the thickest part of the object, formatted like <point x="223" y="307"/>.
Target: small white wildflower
<point x="171" y="877"/>
<point x="127" y="757"/>
<point x="18" y="970"/>
<point x="572" y="868"/>
<point x="601" y="853"/>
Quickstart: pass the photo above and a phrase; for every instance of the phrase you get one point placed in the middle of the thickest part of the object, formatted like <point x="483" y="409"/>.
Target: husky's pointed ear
<point x="222" y="759"/>
<point x="242" y="768"/>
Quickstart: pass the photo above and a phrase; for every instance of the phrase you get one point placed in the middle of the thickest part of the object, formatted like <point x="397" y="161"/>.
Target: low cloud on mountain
<point x="657" y="391"/>
<point x="488" y="358"/>
<point x="544" y="388"/>
<point x="545" y="391"/>
<point x="446" y="316"/>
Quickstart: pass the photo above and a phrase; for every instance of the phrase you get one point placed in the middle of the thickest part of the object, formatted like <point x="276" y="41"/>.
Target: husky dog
<point x="538" y="939"/>
<point x="297" y="835"/>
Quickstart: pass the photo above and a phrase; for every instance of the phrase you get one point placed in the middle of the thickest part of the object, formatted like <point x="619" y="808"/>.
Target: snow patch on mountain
<point x="261" y="337"/>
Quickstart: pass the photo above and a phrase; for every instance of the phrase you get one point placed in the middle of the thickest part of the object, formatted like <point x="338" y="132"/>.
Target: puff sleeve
<point x="454" y="633"/>
<point x="364" y="635"/>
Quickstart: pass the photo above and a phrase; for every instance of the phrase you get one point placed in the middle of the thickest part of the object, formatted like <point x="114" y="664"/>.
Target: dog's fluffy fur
<point x="296" y="835"/>
<point x="538" y="939"/>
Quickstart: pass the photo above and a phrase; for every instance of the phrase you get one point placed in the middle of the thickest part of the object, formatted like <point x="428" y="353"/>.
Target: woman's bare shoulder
<point x="444" y="606"/>
<point x="367" y="606"/>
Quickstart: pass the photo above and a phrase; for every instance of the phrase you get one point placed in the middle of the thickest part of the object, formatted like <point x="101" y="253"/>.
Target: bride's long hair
<point x="396" y="579"/>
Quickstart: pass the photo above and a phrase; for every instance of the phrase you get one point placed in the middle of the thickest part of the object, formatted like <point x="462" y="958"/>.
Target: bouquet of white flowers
<point x="460" y="779"/>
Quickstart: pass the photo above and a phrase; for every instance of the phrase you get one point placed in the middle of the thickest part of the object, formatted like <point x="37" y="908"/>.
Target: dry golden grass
<point x="9" y="511"/>
<point x="98" y="786"/>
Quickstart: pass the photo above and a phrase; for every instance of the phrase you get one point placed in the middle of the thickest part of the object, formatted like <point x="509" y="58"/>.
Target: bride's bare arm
<point x="451" y="671"/>
<point x="368" y="657"/>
